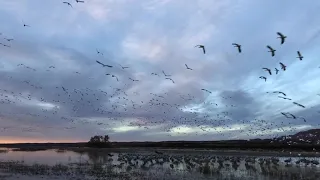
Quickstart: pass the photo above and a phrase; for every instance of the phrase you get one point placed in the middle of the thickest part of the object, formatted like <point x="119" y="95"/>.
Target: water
<point x="146" y="164"/>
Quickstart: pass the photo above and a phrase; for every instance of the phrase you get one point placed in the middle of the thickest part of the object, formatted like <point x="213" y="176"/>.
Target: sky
<point x="53" y="90"/>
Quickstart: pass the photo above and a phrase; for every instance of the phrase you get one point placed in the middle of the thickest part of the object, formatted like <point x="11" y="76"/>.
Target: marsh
<point x="146" y="164"/>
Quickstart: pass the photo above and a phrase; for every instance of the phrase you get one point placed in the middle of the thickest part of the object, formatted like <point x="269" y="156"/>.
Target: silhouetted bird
<point x="8" y="39"/>
<point x="206" y="90"/>
<point x="170" y="79"/>
<point x="165" y="74"/>
<point x="78" y="1"/>
<point x="271" y="50"/>
<point x="277" y="70"/>
<point x="238" y="46"/>
<point x="299" y="55"/>
<point x="203" y="48"/>
<point x="299" y="104"/>
<point x="282" y="37"/>
<point x="188" y="67"/>
<point x="67" y="4"/>
<point x="280" y="92"/>
<point x="285" y="98"/>
<point x="262" y="77"/>
<point x="104" y="65"/>
<point x="283" y="67"/>
<point x="267" y="69"/>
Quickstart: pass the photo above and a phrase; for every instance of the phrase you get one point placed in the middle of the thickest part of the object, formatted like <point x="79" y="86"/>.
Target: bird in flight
<point x="123" y="67"/>
<point x="4" y="45"/>
<point x="113" y="76"/>
<point x="188" y="67"/>
<point x="78" y="1"/>
<point x="67" y="3"/>
<point x="279" y="92"/>
<point x="98" y="52"/>
<point x="8" y="39"/>
<point x="206" y="90"/>
<point x="104" y="65"/>
<point x="155" y="74"/>
<point x="282" y="37"/>
<point x="165" y="74"/>
<point x="283" y="67"/>
<point x="203" y="48"/>
<point x="285" y="98"/>
<point x="285" y="114"/>
<point x="277" y="70"/>
<point x="262" y="77"/>
<point x="238" y="46"/>
<point x="303" y="119"/>
<point x="170" y="79"/>
<point x="133" y="79"/>
<point x="267" y="69"/>
<point x="299" y="55"/>
<point x="299" y="104"/>
<point x="271" y="50"/>
<point x="25" y="25"/>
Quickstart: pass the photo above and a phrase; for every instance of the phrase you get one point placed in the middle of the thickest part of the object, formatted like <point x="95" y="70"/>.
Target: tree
<point x="99" y="141"/>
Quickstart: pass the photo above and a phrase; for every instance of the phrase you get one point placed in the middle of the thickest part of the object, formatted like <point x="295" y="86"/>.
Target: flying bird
<point x="206" y="90"/>
<point x="104" y="65"/>
<point x="267" y="69"/>
<point x="238" y="46"/>
<point x="299" y="104"/>
<point x="113" y="76"/>
<point x="165" y="74"/>
<point x="188" y="67"/>
<point x="155" y="74"/>
<point x="78" y="1"/>
<point x="4" y="45"/>
<point x="283" y="67"/>
<point x="282" y="37"/>
<point x="277" y="70"/>
<point x="271" y="50"/>
<point x="133" y="79"/>
<point x="98" y="52"/>
<point x="8" y="39"/>
<point x="285" y="114"/>
<point x="303" y="119"/>
<point x="279" y="92"/>
<point x="203" y="48"/>
<point x="293" y="116"/>
<point x="262" y="77"/>
<point x="170" y="79"/>
<point x="299" y="55"/>
<point x="123" y="67"/>
<point x="67" y="4"/>
<point x="285" y="98"/>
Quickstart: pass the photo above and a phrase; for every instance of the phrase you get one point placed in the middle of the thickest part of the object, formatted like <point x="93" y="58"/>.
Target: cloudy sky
<point x="53" y="90"/>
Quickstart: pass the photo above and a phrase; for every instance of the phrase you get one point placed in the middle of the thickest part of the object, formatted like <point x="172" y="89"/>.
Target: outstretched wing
<point x="269" y="47"/>
<point x="299" y="54"/>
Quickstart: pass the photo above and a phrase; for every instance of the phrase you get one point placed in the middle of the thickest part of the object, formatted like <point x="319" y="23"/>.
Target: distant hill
<point x="304" y="140"/>
<point x="309" y="137"/>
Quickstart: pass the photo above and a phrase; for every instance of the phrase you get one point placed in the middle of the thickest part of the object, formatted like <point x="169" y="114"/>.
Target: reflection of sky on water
<point x="179" y="165"/>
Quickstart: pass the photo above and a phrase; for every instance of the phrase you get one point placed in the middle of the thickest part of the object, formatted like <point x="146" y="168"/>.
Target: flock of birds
<point x="121" y="103"/>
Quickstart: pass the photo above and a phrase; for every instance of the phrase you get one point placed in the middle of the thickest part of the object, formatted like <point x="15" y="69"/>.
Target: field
<point x="148" y="163"/>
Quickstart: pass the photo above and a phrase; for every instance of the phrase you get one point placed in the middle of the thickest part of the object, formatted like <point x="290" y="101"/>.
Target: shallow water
<point x="146" y="164"/>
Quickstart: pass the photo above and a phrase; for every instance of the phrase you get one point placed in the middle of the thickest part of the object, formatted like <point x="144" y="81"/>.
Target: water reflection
<point x="103" y="164"/>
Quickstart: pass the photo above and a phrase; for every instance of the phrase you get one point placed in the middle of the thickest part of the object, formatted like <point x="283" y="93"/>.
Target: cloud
<point x="60" y="93"/>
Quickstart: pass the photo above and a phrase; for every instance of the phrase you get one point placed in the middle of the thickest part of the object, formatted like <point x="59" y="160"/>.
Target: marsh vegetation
<point x="146" y="164"/>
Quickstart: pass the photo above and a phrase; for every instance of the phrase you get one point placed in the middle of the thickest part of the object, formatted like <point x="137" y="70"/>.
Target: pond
<point x="87" y="164"/>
